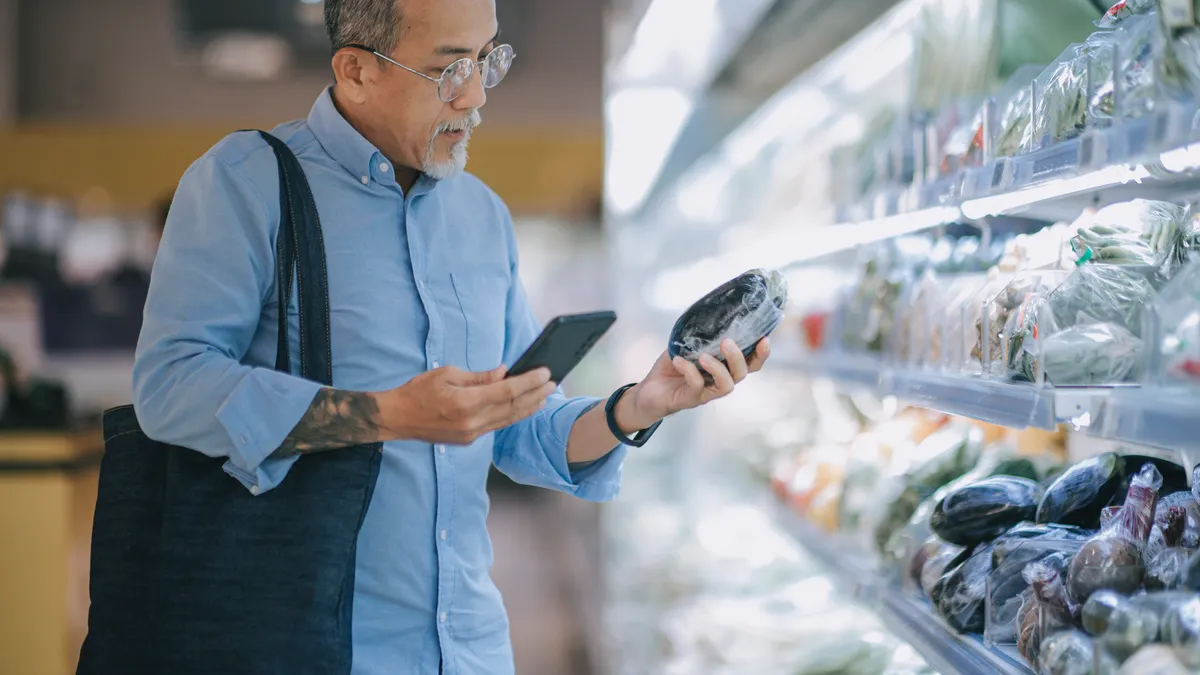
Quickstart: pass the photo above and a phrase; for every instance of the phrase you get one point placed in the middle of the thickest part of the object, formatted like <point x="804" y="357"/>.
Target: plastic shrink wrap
<point x="1114" y="559"/>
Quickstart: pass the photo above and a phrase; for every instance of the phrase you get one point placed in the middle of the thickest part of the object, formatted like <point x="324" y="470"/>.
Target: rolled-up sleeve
<point x="214" y="270"/>
<point x="534" y="450"/>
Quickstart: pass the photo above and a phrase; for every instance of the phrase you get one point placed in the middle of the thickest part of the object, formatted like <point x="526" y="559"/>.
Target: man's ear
<point x="354" y="69"/>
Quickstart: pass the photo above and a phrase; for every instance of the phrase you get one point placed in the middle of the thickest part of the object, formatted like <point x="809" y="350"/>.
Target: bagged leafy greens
<point x="1176" y="317"/>
<point x="1114" y="559"/>
<point x="1138" y="232"/>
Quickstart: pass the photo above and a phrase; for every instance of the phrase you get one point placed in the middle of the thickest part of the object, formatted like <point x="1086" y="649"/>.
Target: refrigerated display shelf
<point x="1132" y="414"/>
<point x="909" y="617"/>
<point x="1155" y="157"/>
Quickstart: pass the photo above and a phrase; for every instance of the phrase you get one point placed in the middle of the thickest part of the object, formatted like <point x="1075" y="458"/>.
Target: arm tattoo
<point x="335" y="419"/>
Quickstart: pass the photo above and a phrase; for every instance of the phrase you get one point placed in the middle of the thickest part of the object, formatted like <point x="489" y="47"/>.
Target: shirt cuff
<point x="598" y="480"/>
<point x="258" y="415"/>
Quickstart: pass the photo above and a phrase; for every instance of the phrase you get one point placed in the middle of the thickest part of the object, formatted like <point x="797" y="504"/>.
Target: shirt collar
<point x="351" y="149"/>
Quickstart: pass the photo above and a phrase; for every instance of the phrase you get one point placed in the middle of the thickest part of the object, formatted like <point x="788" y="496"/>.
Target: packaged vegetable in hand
<point x="1079" y="494"/>
<point x="984" y="510"/>
<point x="1114" y="559"/>
<point x="745" y="309"/>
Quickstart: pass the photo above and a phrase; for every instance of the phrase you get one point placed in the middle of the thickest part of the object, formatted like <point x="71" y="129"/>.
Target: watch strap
<point x="640" y="438"/>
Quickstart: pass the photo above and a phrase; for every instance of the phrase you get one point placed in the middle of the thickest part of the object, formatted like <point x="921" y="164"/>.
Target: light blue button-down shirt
<point x="416" y="281"/>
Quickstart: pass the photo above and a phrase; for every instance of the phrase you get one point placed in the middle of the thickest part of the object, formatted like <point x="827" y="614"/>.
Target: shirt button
<point x="365" y="180"/>
<point x="445" y="534"/>
<point x="443" y="617"/>
<point x="254" y="490"/>
<point x="436" y="364"/>
<point x="384" y="168"/>
<point x="441" y="449"/>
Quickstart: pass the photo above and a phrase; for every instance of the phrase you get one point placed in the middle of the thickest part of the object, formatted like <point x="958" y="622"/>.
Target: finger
<point x="722" y="380"/>
<point x="691" y="375"/>
<point x="735" y="361"/>
<point x="510" y="389"/>
<point x="463" y="378"/>
<point x="500" y="416"/>
<point x="761" y="353"/>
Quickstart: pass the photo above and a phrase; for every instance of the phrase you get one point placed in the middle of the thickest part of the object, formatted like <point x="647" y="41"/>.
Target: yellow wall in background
<point x="535" y="171"/>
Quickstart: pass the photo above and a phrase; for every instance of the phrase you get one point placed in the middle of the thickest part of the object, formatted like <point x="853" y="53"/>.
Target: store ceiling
<point x="792" y="37"/>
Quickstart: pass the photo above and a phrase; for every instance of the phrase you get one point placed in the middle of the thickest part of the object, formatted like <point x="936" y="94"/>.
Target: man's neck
<point x="406" y="176"/>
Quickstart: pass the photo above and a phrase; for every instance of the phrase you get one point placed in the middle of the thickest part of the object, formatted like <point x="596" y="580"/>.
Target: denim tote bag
<point x="190" y="573"/>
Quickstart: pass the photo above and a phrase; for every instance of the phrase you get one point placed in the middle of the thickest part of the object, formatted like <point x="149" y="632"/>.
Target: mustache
<point x="466" y="123"/>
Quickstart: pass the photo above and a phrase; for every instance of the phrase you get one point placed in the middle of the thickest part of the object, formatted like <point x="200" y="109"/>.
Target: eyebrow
<point x="448" y="50"/>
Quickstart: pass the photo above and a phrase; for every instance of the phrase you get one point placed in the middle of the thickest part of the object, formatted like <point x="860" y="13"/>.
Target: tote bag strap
<point x="301" y="256"/>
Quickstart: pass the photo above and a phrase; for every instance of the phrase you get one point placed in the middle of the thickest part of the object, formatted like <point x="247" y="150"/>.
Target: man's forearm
<point x="591" y="438"/>
<point x="335" y="419"/>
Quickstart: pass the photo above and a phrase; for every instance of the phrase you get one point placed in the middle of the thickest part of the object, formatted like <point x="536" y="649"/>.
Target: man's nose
<point x="474" y="96"/>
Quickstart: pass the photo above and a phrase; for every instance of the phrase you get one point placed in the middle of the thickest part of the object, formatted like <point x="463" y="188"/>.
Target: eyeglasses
<point x="457" y="75"/>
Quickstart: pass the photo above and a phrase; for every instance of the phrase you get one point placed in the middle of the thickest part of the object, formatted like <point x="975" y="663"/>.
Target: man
<point x="425" y="306"/>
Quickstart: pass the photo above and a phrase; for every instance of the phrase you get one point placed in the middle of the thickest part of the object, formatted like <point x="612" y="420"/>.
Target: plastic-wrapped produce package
<point x="1011" y="555"/>
<point x="1176" y="319"/>
<point x="1182" y="499"/>
<point x="1154" y="660"/>
<point x="963" y="592"/>
<point x="1007" y="317"/>
<point x="1181" y="630"/>
<point x="1122" y="10"/>
<point x="1046" y="608"/>
<point x="1114" y="559"/>
<point x="952" y="350"/>
<point x="1167" y="560"/>
<point x="745" y="309"/>
<point x="1060" y="110"/>
<point x="1073" y="653"/>
<point x="1015" y="119"/>
<point x="1138" y="232"/>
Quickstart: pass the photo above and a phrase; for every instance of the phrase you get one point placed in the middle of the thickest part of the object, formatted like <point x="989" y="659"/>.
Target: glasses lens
<point x="496" y="65"/>
<point x="455" y="79"/>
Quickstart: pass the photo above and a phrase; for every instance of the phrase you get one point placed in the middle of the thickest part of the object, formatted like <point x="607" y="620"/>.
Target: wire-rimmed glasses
<point x="454" y="79"/>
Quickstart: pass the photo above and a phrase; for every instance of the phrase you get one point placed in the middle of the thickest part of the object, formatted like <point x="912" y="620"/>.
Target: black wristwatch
<point x="640" y="438"/>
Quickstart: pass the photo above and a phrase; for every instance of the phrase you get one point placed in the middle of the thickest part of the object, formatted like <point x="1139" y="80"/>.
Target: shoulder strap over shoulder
<point x="301" y="255"/>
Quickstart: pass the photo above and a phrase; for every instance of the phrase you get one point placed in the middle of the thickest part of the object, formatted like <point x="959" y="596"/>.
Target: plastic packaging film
<point x="745" y="309"/>
<point x="1114" y="559"/>
<point x="1176" y="318"/>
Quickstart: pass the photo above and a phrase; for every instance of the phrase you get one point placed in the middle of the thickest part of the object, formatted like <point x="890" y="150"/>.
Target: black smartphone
<point x="564" y="343"/>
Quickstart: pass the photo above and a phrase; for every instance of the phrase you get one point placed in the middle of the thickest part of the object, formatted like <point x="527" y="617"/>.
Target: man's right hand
<point x="453" y="406"/>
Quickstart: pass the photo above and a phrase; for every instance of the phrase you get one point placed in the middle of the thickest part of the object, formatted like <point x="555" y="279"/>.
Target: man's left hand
<point x="676" y="384"/>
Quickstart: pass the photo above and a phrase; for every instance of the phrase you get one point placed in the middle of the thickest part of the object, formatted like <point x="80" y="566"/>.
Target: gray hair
<point x="371" y="23"/>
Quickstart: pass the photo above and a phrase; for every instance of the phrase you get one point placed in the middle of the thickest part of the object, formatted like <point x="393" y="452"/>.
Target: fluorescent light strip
<point x="1011" y="202"/>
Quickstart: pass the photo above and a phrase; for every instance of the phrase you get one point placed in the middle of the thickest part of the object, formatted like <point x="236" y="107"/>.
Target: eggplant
<point x="961" y="600"/>
<point x="946" y="557"/>
<point x="982" y="511"/>
<point x="744" y="309"/>
<point x="1175" y="477"/>
<point x="1078" y="495"/>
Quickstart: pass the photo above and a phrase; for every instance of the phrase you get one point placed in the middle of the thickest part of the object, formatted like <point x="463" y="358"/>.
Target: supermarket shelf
<point x="910" y="618"/>
<point x="1124" y="413"/>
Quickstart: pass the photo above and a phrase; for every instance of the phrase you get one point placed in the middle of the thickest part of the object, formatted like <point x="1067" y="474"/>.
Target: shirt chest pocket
<point x="482" y="297"/>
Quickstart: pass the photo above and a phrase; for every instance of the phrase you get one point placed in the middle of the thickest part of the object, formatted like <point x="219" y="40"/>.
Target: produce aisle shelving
<point x="910" y="618"/>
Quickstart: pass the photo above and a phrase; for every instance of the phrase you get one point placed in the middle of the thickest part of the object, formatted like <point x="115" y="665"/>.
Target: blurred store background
<point x="946" y="185"/>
